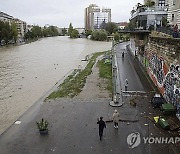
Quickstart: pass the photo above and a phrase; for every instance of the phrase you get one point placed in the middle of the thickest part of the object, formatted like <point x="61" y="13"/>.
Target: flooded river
<point x="29" y="71"/>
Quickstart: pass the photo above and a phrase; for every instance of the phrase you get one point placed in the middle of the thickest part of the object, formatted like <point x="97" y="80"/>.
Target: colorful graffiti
<point x="166" y="78"/>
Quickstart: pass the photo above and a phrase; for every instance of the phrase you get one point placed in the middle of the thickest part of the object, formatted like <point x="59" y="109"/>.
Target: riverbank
<point x="29" y="71"/>
<point x="89" y="82"/>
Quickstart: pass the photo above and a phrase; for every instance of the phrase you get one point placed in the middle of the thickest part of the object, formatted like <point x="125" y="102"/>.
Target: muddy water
<point x="28" y="71"/>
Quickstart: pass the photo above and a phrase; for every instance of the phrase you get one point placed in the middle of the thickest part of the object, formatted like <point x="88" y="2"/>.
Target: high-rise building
<point x="95" y="17"/>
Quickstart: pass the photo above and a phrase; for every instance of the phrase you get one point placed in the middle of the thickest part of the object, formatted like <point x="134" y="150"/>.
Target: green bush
<point x="99" y="35"/>
<point x="74" y="34"/>
<point x="116" y="37"/>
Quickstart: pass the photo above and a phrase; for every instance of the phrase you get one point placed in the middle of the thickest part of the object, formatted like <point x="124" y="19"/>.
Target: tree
<point x="53" y="31"/>
<point x="95" y="35"/>
<point x="74" y="34"/>
<point x="116" y="37"/>
<point x="111" y="27"/>
<point x="37" y="31"/>
<point x="149" y="3"/>
<point x="103" y="25"/>
<point x="88" y="32"/>
<point x="164" y="21"/>
<point x="6" y="32"/>
<point x="14" y="32"/>
<point x="70" y="29"/>
<point x="102" y="36"/>
<point x="131" y="25"/>
<point x="99" y="35"/>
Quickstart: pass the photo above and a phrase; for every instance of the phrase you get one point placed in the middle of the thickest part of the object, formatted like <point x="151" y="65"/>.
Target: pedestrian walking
<point x="122" y="54"/>
<point x="102" y="125"/>
<point x="126" y="84"/>
<point x="115" y="119"/>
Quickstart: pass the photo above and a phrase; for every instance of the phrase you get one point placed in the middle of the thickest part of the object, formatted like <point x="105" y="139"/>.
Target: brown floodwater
<point x="28" y="71"/>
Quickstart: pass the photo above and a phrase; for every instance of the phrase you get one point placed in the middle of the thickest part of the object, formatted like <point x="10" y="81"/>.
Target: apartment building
<point x="95" y="17"/>
<point x="5" y="17"/>
<point x="22" y="28"/>
<point x="174" y="12"/>
<point x="21" y="25"/>
<point x="145" y="17"/>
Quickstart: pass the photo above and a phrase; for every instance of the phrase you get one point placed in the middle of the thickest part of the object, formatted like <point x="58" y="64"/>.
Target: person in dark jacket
<point x="102" y="125"/>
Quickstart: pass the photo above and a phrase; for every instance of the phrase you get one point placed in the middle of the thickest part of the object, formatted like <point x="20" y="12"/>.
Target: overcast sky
<point x="62" y="12"/>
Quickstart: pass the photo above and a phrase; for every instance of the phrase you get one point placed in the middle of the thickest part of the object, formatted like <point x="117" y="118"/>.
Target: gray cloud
<point x="62" y="12"/>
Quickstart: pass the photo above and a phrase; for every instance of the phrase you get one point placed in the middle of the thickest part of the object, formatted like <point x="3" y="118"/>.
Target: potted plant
<point x="42" y="126"/>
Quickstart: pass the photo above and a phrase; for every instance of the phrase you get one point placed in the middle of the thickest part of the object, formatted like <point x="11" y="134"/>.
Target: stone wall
<point x="162" y="61"/>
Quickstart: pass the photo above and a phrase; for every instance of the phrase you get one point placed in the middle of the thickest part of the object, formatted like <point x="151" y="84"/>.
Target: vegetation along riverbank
<point x="75" y="82"/>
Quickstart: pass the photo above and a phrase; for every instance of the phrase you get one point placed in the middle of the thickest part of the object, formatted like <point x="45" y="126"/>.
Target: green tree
<point x="99" y="35"/>
<point x="37" y="31"/>
<point x="116" y="37"/>
<point x="6" y="32"/>
<point x="70" y="29"/>
<point x="74" y="34"/>
<point x="131" y="25"/>
<point x="95" y="35"/>
<point x="14" y="32"/>
<point x="164" y="21"/>
<point x="149" y="3"/>
<point x="88" y="32"/>
<point x="102" y="36"/>
<point x="111" y="27"/>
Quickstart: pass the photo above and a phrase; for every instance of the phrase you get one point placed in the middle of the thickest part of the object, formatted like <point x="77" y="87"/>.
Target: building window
<point x="174" y="2"/>
<point x="161" y="3"/>
<point x="172" y="17"/>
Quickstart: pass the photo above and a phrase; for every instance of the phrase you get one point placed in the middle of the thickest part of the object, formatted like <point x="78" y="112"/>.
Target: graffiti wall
<point x="166" y="78"/>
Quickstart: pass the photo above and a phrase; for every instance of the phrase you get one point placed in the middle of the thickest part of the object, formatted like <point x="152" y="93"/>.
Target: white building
<point x="94" y="17"/>
<point x="21" y="29"/>
<point x="21" y="25"/>
<point x="5" y="17"/>
<point x="144" y="17"/>
<point x="174" y="12"/>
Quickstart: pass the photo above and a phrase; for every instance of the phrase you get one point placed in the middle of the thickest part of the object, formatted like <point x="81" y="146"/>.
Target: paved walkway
<point x="73" y="128"/>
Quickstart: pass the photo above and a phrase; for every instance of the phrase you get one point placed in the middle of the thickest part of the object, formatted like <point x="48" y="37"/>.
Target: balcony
<point x="144" y="11"/>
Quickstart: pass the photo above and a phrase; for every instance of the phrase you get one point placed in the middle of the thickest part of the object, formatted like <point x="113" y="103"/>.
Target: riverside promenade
<point x="73" y="128"/>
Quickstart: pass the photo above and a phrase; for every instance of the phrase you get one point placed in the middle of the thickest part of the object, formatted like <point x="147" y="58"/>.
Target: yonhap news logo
<point x="134" y="140"/>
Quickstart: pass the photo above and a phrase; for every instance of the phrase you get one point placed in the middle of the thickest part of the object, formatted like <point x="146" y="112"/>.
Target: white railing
<point x="148" y="10"/>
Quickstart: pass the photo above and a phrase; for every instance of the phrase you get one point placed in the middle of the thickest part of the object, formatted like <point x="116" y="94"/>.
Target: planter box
<point x="43" y="132"/>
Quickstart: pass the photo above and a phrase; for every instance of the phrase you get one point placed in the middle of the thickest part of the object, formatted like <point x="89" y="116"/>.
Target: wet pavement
<point x="73" y="128"/>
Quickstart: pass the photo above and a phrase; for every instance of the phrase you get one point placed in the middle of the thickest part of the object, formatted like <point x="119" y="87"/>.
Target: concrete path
<point x="73" y="128"/>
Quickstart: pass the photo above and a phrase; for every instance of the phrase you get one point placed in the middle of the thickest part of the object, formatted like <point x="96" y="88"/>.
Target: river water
<point x="29" y="71"/>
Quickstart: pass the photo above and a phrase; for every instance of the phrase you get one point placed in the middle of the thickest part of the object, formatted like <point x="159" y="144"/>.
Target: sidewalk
<point x="73" y="128"/>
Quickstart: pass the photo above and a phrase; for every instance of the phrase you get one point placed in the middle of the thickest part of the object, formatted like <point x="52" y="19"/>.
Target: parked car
<point x="157" y="100"/>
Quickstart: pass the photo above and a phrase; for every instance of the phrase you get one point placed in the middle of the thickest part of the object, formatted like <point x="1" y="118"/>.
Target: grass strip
<point x="105" y="71"/>
<point x="74" y="83"/>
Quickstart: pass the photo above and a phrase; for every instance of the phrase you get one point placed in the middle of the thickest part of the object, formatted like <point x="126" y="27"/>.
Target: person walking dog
<point x="102" y="125"/>
<point x="115" y="119"/>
